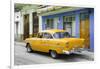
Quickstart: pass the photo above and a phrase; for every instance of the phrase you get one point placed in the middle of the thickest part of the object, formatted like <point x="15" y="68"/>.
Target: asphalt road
<point x="21" y="57"/>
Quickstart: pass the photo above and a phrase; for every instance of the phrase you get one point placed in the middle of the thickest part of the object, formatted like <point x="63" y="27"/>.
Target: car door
<point x="45" y="43"/>
<point x="37" y="42"/>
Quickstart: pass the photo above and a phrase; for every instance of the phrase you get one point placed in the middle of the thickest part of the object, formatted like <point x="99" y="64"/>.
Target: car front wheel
<point x="28" y="47"/>
<point x="53" y="54"/>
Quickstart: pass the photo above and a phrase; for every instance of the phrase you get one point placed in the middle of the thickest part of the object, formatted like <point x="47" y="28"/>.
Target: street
<point x="21" y="57"/>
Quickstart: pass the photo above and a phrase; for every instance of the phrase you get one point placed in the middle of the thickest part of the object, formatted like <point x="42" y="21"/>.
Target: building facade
<point x="79" y="22"/>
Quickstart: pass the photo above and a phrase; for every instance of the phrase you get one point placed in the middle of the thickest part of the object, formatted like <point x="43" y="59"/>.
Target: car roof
<point x="53" y="31"/>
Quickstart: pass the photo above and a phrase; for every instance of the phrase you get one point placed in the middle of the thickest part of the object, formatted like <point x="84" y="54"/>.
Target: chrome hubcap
<point x="53" y="54"/>
<point x="28" y="49"/>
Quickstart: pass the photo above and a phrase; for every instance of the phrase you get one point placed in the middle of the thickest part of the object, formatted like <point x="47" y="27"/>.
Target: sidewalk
<point x="19" y="43"/>
<point x="88" y="54"/>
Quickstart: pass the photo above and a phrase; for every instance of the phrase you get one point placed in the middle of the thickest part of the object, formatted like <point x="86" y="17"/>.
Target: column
<point x="21" y="30"/>
<point x="30" y="24"/>
<point x="77" y="20"/>
<point x="40" y="23"/>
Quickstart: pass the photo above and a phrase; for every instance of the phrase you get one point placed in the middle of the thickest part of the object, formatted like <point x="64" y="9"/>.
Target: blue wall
<point x="60" y="24"/>
<point x="77" y="19"/>
<point x="60" y="15"/>
<point x="92" y="30"/>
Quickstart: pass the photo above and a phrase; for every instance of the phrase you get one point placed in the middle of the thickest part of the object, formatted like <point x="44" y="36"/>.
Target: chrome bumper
<point x="73" y="51"/>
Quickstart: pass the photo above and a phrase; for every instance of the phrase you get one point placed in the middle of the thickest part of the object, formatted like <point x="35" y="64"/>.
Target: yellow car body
<point x="62" y="45"/>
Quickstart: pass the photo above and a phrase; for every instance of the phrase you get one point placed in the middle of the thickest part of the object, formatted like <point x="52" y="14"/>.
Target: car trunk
<point x="74" y="43"/>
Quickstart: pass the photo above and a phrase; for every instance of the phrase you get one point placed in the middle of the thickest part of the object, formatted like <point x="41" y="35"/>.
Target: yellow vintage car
<point x="54" y="42"/>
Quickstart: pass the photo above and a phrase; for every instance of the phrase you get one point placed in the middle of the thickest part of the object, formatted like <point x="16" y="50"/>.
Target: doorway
<point x="85" y="28"/>
<point x="26" y="26"/>
<point x="35" y="23"/>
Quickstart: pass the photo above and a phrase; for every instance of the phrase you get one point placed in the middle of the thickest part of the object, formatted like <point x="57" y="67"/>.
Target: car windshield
<point x="61" y="35"/>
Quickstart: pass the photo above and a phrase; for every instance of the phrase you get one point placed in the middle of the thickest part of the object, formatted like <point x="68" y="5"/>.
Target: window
<point x="68" y="18"/>
<point x="47" y="35"/>
<point x="40" y="35"/>
<point x="61" y="35"/>
<point x="69" y="24"/>
<point x="84" y="16"/>
<point x="49" y="23"/>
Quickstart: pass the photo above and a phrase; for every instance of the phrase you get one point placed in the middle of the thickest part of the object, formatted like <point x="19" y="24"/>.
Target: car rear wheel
<point x="53" y="54"/>
<point x="28" y="47"/>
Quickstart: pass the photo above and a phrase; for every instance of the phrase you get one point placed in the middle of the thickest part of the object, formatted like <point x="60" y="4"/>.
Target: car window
<point x="61" y="35"/>
<point x="47" y="35"/>
<point x="40" y="35"/>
